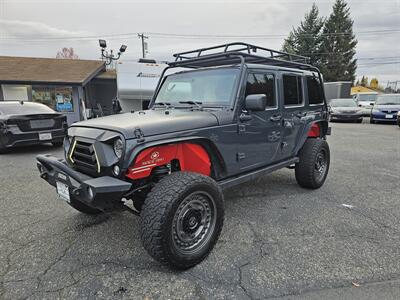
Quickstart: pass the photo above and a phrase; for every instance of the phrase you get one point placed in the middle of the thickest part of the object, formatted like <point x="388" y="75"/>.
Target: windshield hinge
<point x="139" y="135"/>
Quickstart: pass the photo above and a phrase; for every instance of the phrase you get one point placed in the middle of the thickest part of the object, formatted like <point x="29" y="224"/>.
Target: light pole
<point x="144" y="44"/>
<point x="110" y="57"/>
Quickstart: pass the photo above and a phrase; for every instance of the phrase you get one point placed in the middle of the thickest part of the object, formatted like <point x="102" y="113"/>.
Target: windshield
<point x="11" y="108"/>
<point x="210" y="87"/>
<point x="343" y="103"/>
<point x="367" y="97"/>
<point x="388" y="100"/>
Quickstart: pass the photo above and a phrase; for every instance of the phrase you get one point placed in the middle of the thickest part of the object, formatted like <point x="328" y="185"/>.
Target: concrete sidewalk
<point x="378" y="290"/>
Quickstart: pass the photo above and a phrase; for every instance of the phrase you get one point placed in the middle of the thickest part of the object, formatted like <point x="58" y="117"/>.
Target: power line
<point x="193" y="36"/>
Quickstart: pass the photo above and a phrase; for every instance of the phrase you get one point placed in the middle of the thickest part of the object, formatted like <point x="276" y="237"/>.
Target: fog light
<point x="90" y="193"/>
<point x="116" y="170"/>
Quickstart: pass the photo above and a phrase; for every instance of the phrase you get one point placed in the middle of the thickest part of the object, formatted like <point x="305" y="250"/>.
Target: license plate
<point x="63" y="191"/>
<point x="389" y="116"/>
<point x="45" y="136"/>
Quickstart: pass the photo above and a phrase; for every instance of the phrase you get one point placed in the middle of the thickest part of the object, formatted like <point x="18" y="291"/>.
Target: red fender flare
<point x="192" y="157"/>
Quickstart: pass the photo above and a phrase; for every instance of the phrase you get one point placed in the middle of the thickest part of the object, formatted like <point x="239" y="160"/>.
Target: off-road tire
<point x="307" y="174"/>
<point x="57" y="143"/>
<point x="161" y="208"/>
<point x="83" y="208"/>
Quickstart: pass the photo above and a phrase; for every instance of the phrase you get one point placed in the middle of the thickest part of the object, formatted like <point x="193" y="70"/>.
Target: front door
<point x="259" y="132"/>
<point x="293" y="112"/>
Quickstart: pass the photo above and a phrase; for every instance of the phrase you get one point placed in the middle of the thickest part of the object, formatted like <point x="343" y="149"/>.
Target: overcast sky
<point x="41" y="28"/>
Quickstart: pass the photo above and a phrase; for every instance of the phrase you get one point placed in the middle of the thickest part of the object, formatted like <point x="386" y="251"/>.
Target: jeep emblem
<point x="155" y="155"/>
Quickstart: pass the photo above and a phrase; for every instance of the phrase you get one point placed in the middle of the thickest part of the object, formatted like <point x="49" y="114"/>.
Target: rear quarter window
<point x="314" y="90"/>
<point x="292" y="90"/>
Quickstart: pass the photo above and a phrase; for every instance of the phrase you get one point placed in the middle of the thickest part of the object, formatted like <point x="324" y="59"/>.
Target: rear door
<point x="294" y="110"/>
<point x="259" y="136"/>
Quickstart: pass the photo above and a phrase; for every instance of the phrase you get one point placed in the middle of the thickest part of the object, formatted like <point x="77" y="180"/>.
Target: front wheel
<point x="182" y="218"/>
<point x="313" y="166"/>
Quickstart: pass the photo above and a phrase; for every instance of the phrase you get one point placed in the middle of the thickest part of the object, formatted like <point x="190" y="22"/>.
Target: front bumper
<point x="346" y="117"/>
<point x="366" y="111"/>
<point x="106" y="192"/>
<point x="384" y="117"/>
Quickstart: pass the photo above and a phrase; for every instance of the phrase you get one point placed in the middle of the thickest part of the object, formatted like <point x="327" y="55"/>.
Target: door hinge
<point x="241" y="128"/>
<point x="139" y="135"/>
<point x="240" y="156"/>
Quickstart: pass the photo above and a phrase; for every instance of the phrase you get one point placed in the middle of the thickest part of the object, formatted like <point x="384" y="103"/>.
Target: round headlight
<point x="118" y="148"/>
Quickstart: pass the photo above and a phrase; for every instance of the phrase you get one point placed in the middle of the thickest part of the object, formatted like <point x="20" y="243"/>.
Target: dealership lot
<point x="278" y="239"/>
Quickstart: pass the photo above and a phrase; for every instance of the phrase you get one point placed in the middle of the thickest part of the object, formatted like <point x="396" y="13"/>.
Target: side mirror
<point x="256" y="102"/>
<point x="372" y="104"/>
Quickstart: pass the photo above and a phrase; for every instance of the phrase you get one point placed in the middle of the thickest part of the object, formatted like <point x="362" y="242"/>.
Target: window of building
<point x="314" y="90"/>
<point x="57" y="98"/>
<point x="292" y="90"/>
<point x="262" y="83"/>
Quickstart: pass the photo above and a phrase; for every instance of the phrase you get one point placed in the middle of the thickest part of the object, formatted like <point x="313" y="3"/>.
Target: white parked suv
<point x="366" y="101"/>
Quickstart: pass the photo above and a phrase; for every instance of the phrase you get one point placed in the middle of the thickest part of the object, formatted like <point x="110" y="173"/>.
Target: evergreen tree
<point x="306" y="39"/>
<point x="338" y="45"/>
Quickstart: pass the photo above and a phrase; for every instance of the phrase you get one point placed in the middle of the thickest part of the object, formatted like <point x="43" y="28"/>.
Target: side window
<point x="314" y="90"/>
<point x="261" y="83"/>
<point x="292" y="90"/>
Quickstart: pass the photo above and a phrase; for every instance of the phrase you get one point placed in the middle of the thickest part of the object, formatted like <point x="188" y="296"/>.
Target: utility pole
<point x="144" y="45"/>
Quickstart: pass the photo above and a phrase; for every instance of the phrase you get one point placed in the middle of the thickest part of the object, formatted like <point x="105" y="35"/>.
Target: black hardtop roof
<point x="238" y="52"/>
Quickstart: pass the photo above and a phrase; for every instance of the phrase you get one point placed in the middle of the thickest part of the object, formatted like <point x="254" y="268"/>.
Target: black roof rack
<point x="238" y="52"/>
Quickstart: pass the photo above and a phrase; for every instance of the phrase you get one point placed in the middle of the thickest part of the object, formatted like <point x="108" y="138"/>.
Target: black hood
<point x="152" y="122"/>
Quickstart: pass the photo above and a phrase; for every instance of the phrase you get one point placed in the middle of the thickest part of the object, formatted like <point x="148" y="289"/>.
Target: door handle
<point x="276" y="118"/>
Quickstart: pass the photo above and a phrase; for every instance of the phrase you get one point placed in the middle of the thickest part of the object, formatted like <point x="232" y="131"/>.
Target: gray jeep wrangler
<point x="236" y="112"/>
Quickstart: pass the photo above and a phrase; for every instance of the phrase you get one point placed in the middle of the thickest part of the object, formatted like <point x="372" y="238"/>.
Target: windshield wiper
<point x="163" y="104"/>
<point x="197" y="103"/>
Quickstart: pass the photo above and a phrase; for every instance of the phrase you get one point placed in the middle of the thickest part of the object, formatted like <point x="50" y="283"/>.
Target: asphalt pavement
<point x="278" y="240"/>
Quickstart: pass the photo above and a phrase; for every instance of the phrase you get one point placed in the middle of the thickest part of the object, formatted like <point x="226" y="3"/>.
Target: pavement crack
<point x="241" y="285"/>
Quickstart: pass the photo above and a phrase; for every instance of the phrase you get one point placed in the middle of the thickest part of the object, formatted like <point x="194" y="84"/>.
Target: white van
<point x="136" y="82"/>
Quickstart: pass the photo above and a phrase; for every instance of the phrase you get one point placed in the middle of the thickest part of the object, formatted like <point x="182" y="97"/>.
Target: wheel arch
<point x="323" y="130"/>
<point x="218" y="166"/>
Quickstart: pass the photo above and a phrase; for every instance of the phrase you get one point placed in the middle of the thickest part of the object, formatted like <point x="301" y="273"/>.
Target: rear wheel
<point x="83" y="208"/>
<point x="182" y="219"/>
<point x="313" y="166"/>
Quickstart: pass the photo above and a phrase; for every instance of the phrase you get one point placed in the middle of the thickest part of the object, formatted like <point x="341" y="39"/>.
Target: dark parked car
<point x="28" y="123"/>
<point x="235" y="116"/>
<point x="386" y="108"/>
<point x="345" y="110"/>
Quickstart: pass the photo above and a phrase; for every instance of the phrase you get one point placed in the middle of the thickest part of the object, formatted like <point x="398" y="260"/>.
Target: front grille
<point x="389" y="111"/>
<point x="84" y="157"/>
